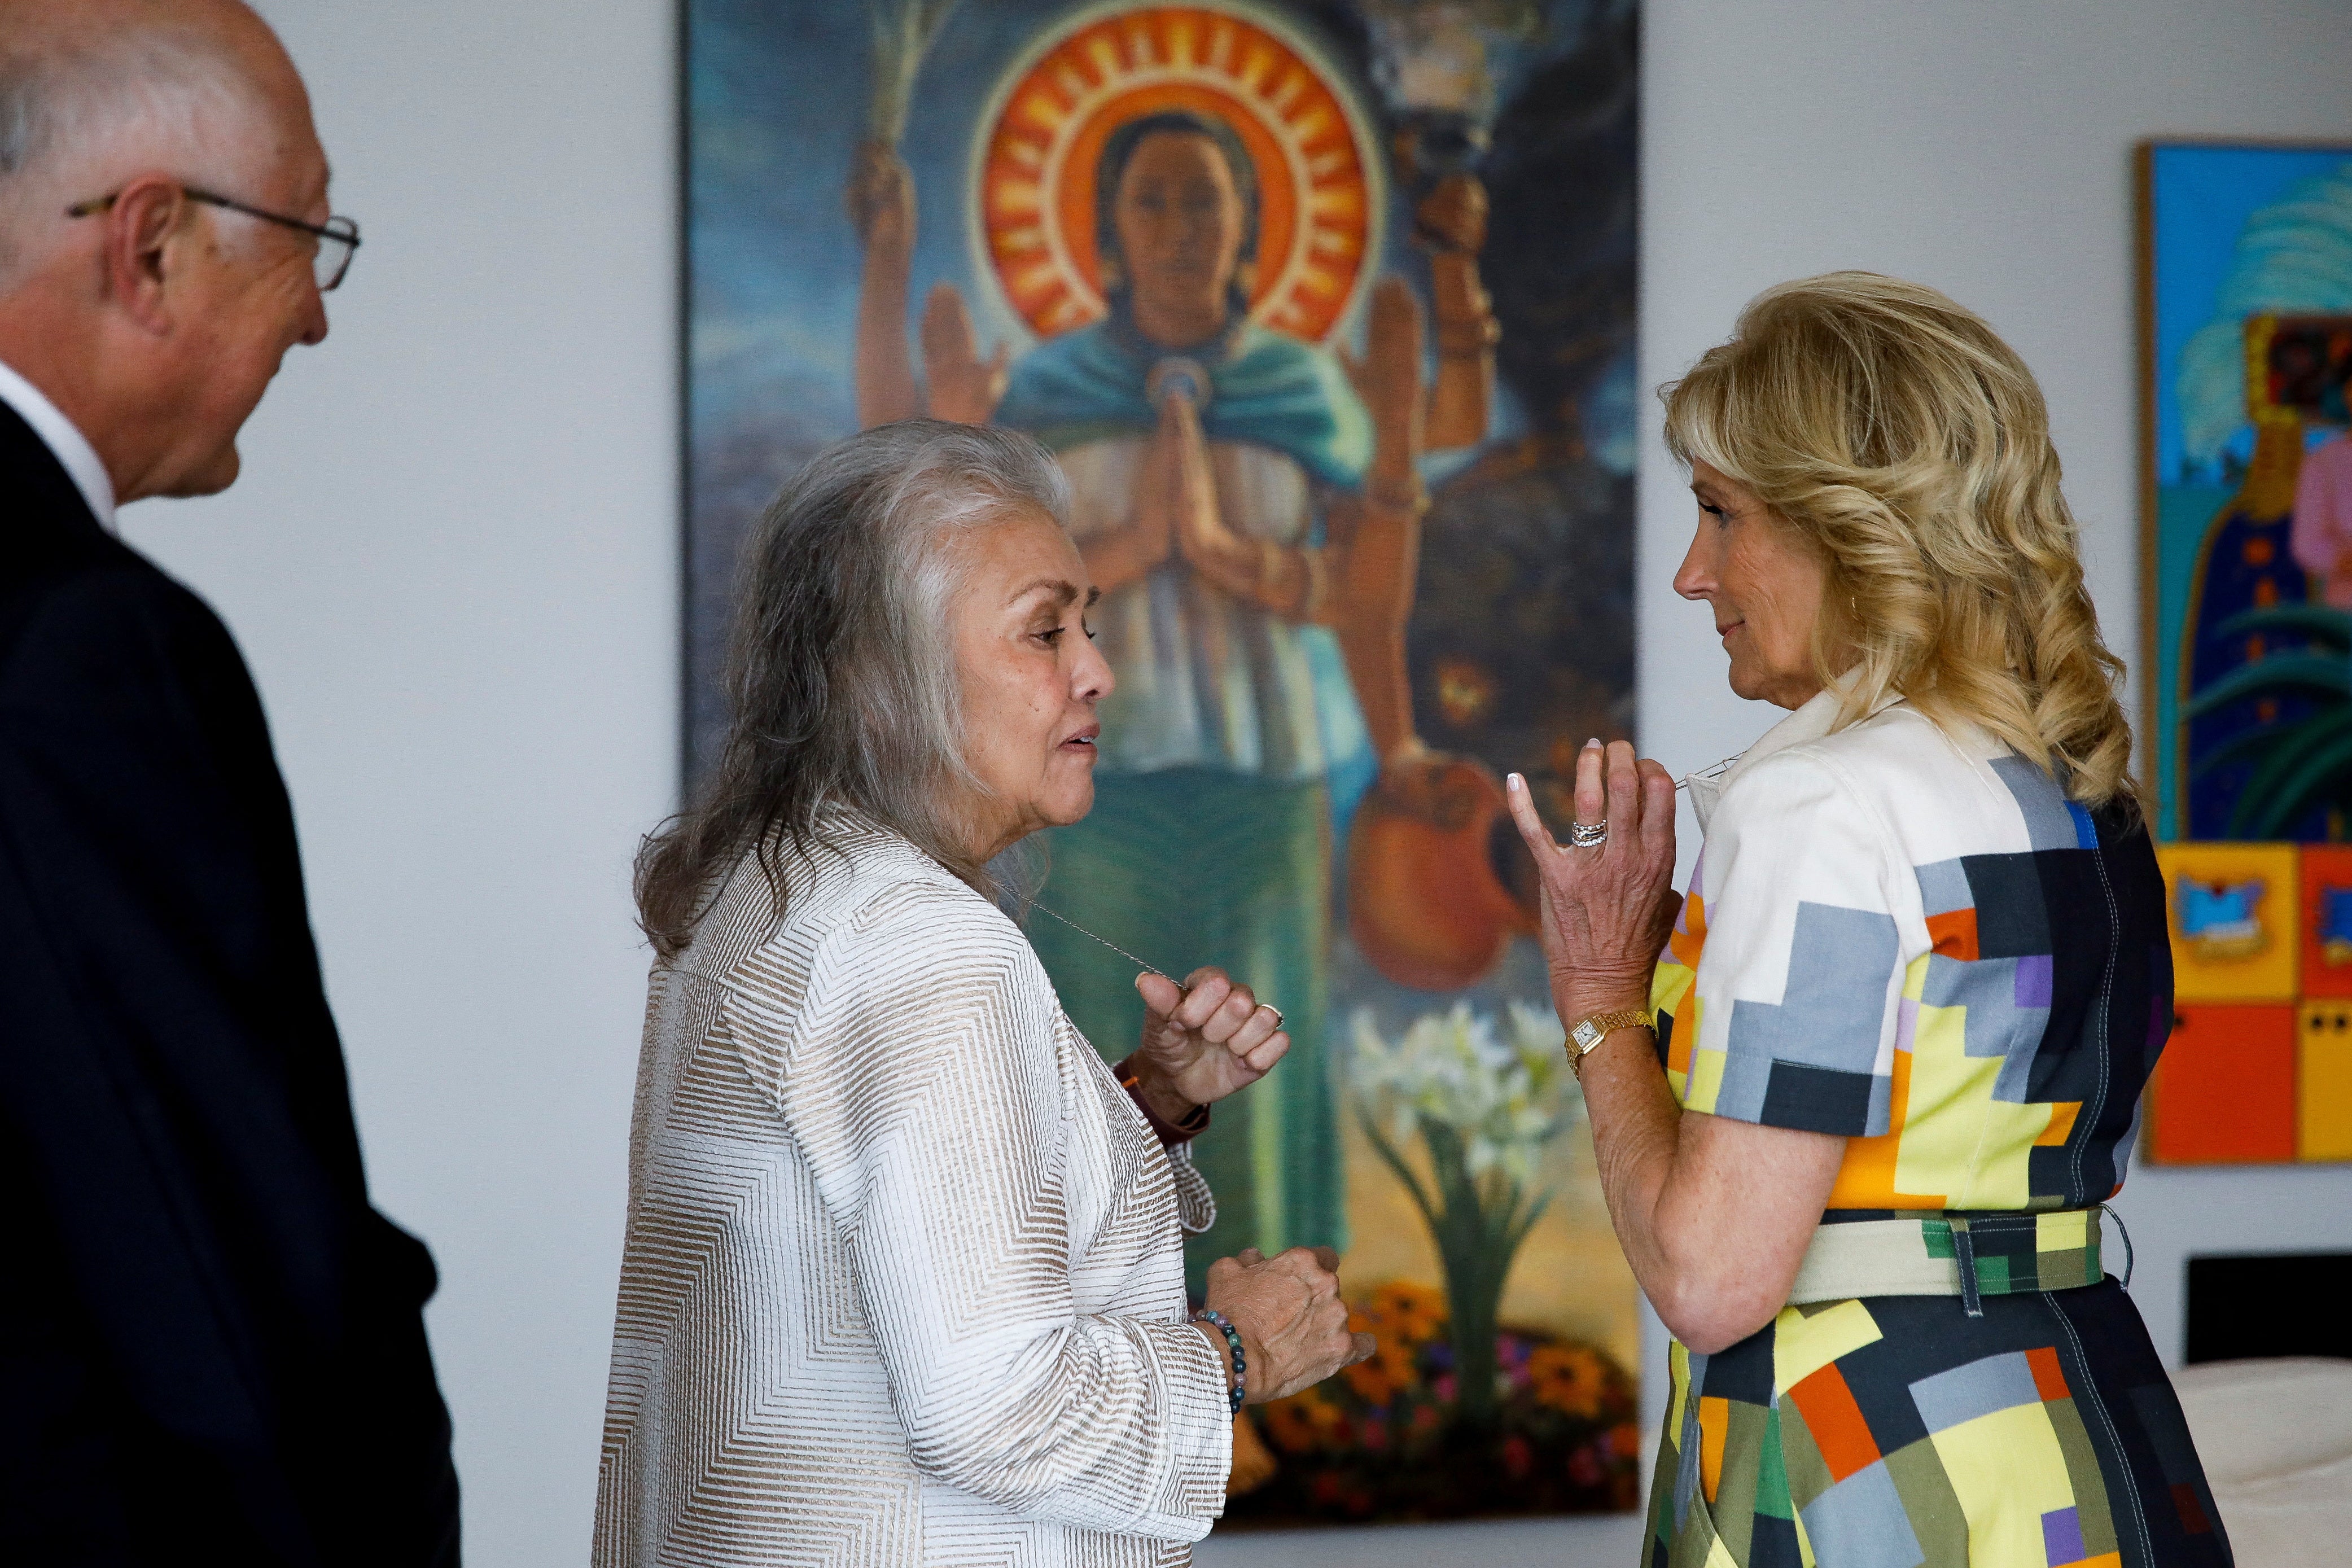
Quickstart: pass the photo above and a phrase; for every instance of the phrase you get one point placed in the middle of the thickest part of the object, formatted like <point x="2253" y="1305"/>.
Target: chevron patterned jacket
<point x="902" y="1282"/>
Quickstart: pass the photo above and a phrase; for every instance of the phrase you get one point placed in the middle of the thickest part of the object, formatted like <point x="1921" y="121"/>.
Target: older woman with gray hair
<point x="903" y="1280"/>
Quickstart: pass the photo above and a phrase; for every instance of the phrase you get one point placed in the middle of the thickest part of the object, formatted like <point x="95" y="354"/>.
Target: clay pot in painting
<point x="1425" y="903"/>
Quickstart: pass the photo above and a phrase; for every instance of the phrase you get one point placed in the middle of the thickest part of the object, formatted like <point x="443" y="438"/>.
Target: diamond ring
<point x="1588" y="836"/>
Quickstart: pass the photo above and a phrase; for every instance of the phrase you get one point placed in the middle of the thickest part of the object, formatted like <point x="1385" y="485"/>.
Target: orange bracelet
<point x="1170" y="1133"/>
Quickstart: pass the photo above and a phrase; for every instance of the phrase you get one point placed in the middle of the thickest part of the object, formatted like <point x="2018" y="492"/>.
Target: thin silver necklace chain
<point x="1713" y="769"/>
<point x="1139" y="963"/>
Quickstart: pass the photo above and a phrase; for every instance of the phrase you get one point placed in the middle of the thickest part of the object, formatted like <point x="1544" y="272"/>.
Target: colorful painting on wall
<point x="2246" y="262"/>
<point x="1328" y="308"/>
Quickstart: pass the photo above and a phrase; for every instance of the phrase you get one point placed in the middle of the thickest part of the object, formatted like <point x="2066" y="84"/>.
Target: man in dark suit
<point x="211" y="1347"/>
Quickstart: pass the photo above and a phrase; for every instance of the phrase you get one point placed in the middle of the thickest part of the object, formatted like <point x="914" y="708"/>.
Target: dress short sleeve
<point x="1792" y="946"/>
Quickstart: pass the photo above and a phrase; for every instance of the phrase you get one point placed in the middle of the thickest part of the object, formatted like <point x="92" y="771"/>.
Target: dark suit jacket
<point x="212" y="1349"/>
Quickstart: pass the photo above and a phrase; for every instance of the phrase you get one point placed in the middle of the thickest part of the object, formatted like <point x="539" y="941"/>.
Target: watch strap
<point x="1587" y="1034"/>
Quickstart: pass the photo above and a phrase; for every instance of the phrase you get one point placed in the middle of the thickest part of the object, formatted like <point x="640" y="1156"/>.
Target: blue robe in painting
<point x="1266" y="388"/>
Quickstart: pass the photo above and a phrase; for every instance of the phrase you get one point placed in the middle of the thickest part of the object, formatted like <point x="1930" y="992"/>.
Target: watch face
<point x="1584" y="1036"/>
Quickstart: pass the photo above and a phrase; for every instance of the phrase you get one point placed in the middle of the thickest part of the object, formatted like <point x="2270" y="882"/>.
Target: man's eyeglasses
<point x="337" y="238"/>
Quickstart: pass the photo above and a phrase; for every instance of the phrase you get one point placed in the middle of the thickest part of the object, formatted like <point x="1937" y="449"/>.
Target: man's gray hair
<point x="842" y="678"/>
<point x="83" y="108"/>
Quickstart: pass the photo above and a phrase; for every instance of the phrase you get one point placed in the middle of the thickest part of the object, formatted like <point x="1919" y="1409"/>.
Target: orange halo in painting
<point x="1037" y="172"/>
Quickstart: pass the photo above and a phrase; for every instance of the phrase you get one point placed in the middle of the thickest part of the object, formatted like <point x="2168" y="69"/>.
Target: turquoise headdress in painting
<point x="2295" y="258"/>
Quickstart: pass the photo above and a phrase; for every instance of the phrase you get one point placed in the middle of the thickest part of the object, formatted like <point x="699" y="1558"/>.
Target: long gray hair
<point x="841" y="678"/>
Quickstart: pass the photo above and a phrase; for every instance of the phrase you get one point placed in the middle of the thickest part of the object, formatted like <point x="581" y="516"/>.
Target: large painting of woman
<point x="1326" y="309"/>
<point x="1249" y="505"/>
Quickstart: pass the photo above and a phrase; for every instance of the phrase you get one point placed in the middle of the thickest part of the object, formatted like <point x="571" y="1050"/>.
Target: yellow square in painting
<point x="2233" y="910"/>
<point x="2322" y="1112"/>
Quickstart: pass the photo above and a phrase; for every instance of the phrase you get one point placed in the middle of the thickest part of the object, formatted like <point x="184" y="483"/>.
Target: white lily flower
<point x="1498" y="1090"/>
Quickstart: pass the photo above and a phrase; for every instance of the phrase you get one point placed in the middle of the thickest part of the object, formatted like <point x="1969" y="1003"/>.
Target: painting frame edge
<point x="2150" y="700"/>
<point x="681" y="37"/>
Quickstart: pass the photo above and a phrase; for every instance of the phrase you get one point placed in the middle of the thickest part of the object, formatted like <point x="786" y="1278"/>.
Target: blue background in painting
<point x="2202" y="197"/>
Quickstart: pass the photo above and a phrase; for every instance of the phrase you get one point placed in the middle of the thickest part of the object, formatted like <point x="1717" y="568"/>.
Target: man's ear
<point x="148" y="214"/>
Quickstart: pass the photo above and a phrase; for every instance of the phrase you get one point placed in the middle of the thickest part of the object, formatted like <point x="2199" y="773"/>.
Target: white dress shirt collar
<point x="68" y="446"/>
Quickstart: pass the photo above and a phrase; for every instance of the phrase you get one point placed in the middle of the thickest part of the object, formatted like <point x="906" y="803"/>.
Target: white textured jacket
<point x="902" y="1281"/>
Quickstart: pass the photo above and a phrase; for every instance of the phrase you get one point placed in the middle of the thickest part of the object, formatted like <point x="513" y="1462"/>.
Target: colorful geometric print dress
<point x="1918" y="942"/>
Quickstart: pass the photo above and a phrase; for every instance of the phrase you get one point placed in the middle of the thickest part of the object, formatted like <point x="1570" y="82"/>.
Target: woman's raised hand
<point x="1607" y="909"/>
<point x="1206" y="1038"/>
<point x="961" y="384"/>
<point x="1388" y="378"/>
<point x="1287" y="1310"/>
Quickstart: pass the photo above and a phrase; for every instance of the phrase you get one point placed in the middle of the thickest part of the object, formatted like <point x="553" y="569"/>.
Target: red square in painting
<point x="2327" y="920"/>
<point x="2224" y="1090"/>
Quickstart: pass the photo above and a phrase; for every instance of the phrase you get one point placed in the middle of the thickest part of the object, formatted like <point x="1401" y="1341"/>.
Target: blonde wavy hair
<point x="1897" y="434"/>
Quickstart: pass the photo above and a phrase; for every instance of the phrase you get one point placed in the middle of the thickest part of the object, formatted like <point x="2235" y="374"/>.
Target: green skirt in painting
<point x="1195" y="866"/>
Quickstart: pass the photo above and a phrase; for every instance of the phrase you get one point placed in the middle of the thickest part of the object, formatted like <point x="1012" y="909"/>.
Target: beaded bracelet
<point x="1224" y="1326"/>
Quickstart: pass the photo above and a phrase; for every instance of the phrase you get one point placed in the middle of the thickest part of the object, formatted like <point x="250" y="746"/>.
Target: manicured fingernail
<point x="1593" y="744"/>
<point x="1515" y="780"/>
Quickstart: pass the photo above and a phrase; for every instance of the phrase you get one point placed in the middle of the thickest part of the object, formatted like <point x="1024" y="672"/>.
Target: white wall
<point x="452" y="563"/>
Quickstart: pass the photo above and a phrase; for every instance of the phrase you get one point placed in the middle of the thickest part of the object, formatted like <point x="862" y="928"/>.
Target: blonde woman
<point x="1902" y="1021"/>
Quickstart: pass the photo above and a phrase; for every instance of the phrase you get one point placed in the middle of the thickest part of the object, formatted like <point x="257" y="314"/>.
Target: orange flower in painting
<point x="1413" y="1313"/>
<point x="1305" y="1421"/>
<point x="1288" y="1425"/>
<point x="1371" y="1381"/>
<point x="1569" y="1377"/>
<point x="1389" y="1369"/>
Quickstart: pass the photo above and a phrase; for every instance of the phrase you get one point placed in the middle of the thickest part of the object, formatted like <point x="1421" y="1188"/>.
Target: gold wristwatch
<point x="1590" y="1032"/>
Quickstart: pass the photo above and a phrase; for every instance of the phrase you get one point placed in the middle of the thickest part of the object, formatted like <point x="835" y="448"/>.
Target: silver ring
<point x="1275" y="1011"/>
<point x="1588" y="836"/>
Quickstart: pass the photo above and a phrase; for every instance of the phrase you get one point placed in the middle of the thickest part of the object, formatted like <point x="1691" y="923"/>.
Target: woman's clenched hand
<point x="1294" y="1327"/>
<point x="1203" y="1040"/>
